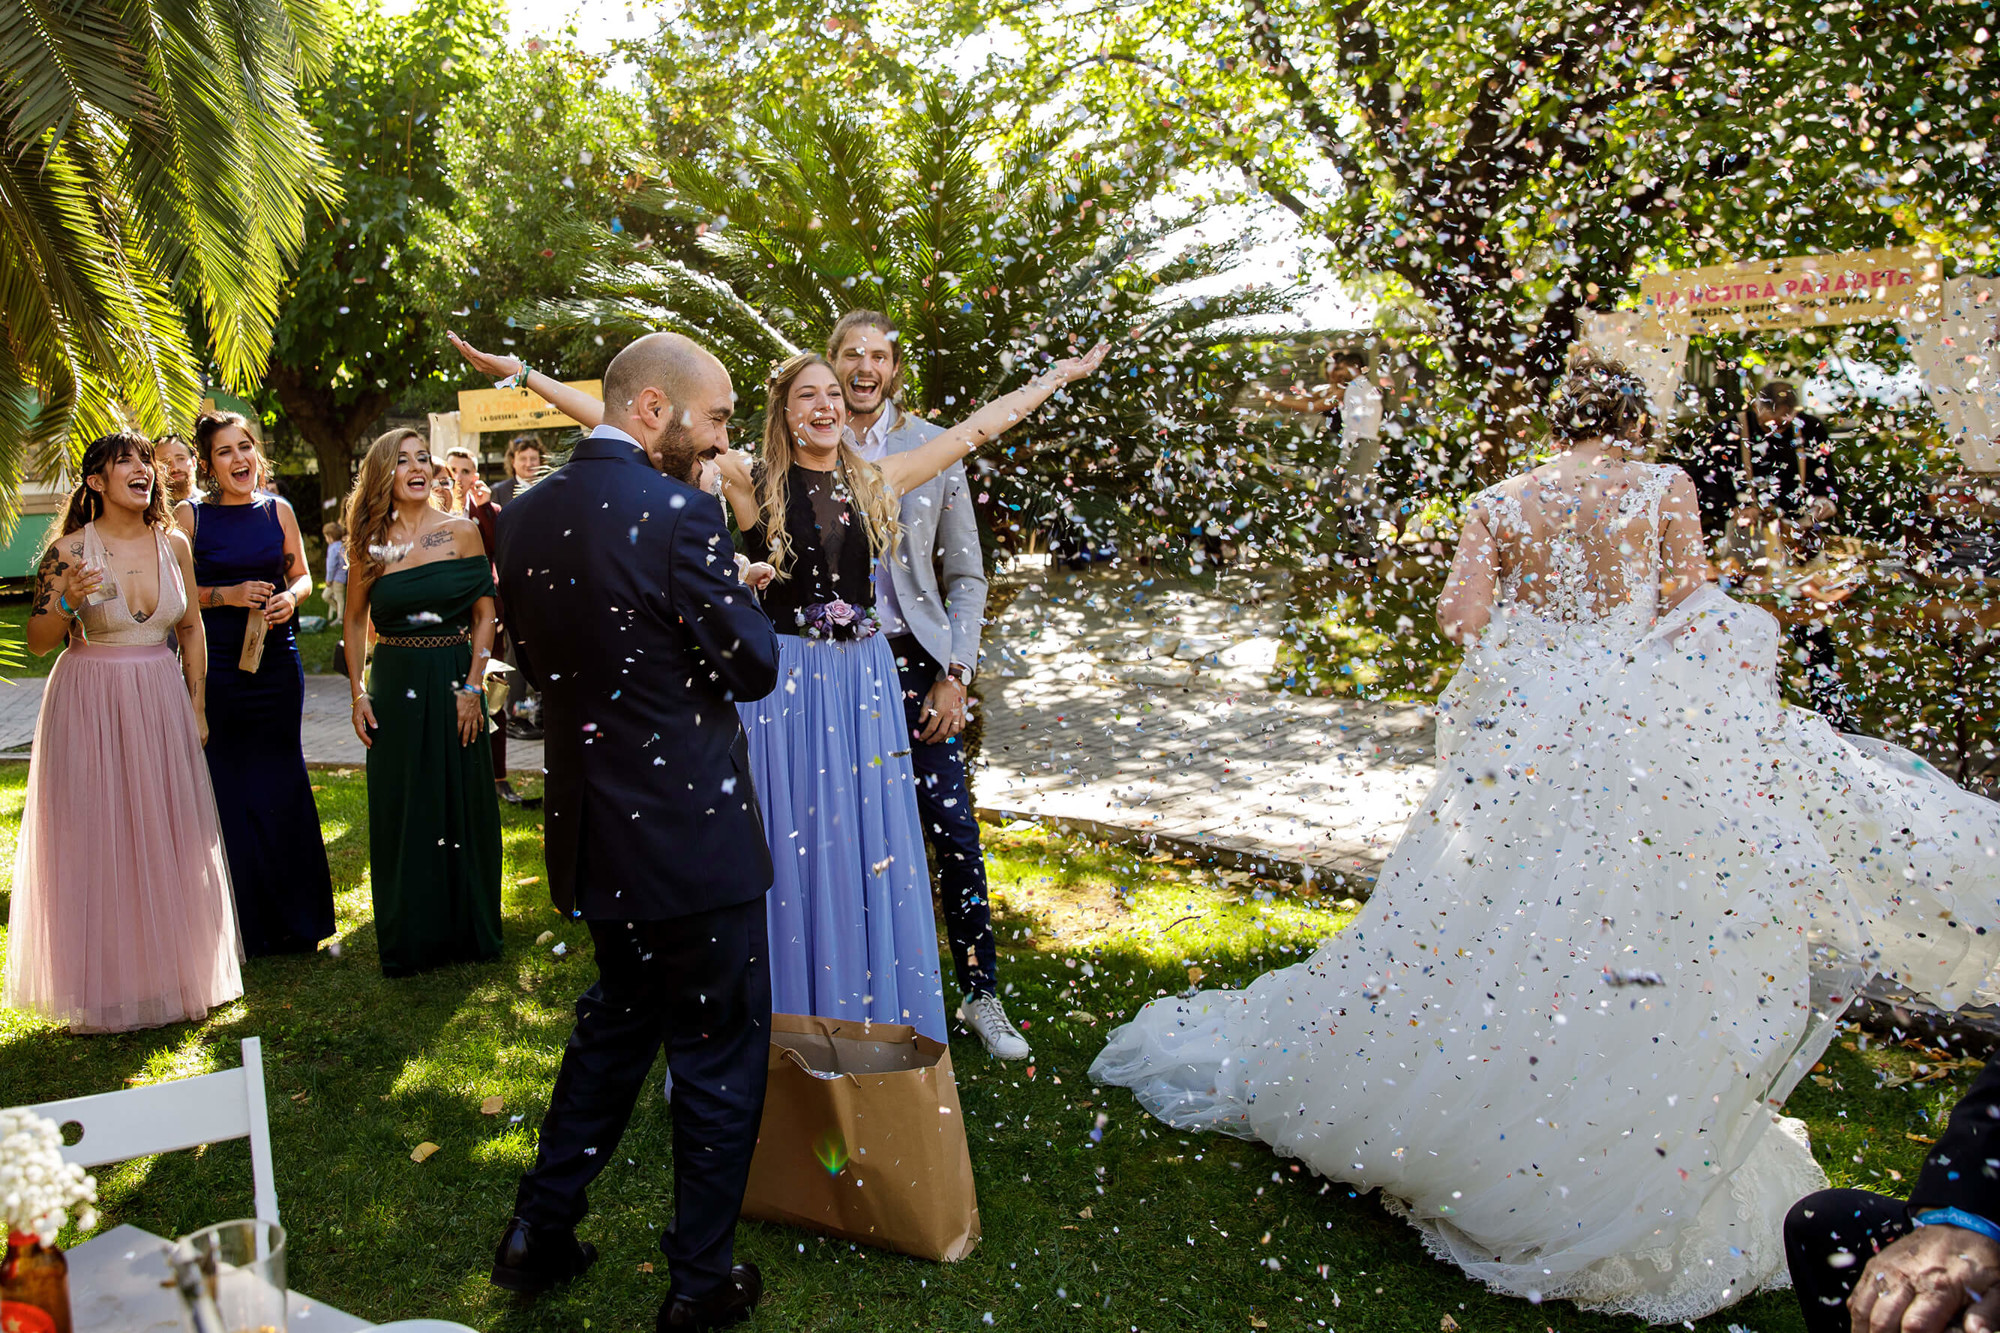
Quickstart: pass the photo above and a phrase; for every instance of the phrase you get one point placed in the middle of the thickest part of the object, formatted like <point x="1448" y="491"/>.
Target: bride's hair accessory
<point x="1599" y="398"/>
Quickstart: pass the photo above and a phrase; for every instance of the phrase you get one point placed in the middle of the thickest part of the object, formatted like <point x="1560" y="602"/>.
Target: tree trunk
<point x="331" y="428"/>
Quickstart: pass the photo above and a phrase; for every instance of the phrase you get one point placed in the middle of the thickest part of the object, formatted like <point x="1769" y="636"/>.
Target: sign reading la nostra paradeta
<point x="1803" y="291"/>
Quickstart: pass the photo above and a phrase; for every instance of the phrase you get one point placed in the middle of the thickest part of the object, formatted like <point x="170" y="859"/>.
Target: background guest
<point x="176" y="462"/>
<point x="336" y="571"/>
<point x="121" y="915"/>
<point x="1772" y="461"/>
<point x="931" y="593"/>
<point x="1350" y="437"/>
<point x="524" y="464"/>
<point x="479" y="507"/>
<point x="423" y="579"/>
<point x="250" y="561"/>
<point x="521" y="712"/>
<point x="444" y="496"/>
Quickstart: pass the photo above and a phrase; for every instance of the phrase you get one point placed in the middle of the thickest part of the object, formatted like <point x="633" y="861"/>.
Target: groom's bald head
<point x="669" y="393"/>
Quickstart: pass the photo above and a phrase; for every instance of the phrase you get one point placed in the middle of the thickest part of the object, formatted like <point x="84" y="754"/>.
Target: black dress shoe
<point x="726" y="1306"/>
<point x="506" y="792"/>
<point x="522" y="731"/>
<point x="530" y="1261"/>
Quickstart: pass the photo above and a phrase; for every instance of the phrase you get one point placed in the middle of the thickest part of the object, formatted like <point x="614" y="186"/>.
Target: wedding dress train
<point x="1608" y="945"/>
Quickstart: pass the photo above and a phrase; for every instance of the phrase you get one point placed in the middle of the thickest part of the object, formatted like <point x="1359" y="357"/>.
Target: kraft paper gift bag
<point x="863" y="1138"/>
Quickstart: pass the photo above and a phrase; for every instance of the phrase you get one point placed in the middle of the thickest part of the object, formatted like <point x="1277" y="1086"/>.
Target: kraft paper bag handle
<point x="800" y="1061"/>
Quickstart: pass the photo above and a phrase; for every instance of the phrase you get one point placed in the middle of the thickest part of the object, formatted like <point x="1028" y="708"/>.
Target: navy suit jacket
<point x="626" y="614"/>
<point x="1963" y="1170"/>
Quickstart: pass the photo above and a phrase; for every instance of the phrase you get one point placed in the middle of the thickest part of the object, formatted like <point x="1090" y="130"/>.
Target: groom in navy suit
<point x="626" y="613"/>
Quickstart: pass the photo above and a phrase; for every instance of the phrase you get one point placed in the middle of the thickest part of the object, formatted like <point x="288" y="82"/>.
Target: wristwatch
<point x="957" y="671"/>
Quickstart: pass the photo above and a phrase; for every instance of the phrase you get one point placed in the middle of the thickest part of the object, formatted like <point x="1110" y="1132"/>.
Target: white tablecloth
<point x="119" y="1283"/>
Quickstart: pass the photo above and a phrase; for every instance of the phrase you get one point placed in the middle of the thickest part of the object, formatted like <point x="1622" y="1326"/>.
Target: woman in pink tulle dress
<point x="122" y="916"/>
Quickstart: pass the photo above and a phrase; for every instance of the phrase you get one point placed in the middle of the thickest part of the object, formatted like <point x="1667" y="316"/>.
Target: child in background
<point x="336" y="572"/>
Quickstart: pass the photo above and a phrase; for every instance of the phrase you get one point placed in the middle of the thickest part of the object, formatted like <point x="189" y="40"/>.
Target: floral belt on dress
<point x="838" y="620"/>
<point x="423" y="640"/>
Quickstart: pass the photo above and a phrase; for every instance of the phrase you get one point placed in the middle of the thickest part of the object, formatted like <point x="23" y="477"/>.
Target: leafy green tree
<point x="353" y="339"/>
<point x="716" y="62"/>
<point x="542" y="161"/>
<point x="1494" y="170"/>
<point x="990" y="263"/>
<point x="152" y="160"/>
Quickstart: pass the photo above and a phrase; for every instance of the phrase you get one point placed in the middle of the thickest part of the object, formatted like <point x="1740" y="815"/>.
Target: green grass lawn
<point x="1149" y="1229"/>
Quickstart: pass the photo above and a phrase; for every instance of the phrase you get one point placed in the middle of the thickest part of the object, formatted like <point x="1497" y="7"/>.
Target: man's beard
<point x="678" y="453"/>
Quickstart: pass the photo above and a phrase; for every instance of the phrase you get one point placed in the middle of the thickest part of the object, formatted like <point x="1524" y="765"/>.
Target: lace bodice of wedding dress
<point x="1612" y="939"/>
<point x="1580" y="556"/>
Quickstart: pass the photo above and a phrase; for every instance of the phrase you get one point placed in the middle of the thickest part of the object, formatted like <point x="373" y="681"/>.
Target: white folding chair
<point x="166" y="1117"/>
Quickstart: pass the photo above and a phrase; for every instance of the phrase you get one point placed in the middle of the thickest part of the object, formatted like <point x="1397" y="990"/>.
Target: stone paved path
<point x="325" y="730"/>
<point x="1127" y="707"/>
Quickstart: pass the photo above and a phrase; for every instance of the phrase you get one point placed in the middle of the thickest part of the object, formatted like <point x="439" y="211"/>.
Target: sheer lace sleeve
<point x="1473" y="585"/>
<point x="1684" y="563"/>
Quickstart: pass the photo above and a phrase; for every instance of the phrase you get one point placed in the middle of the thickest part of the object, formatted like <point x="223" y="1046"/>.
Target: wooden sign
<point x="243" y="410"/>
<point x="481" y="410"/>
<point x="1803" y="291"/>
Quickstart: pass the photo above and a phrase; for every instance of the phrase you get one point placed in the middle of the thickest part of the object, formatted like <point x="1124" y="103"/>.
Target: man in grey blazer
<point x="931" y="594"/>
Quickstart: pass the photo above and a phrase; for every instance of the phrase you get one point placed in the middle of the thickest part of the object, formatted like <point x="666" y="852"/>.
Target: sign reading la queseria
<point x="1752" y="296"/>
<point x="514" y="409"/>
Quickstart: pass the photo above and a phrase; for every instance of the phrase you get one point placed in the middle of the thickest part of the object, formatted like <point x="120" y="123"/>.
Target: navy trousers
<point x="1829" y="1238"/>
<point x="701" y="987"/>
<point x="944" y="802"/>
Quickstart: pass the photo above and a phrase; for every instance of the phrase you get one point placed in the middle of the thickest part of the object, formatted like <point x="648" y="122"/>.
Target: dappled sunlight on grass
<point x="1055" y="894"/>
<point x="192" y="1056"/>
<point x="1368" y="637"/>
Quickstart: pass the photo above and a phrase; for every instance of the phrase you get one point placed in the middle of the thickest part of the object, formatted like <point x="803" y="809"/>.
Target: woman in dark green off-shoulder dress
<point x="424" y="580"/>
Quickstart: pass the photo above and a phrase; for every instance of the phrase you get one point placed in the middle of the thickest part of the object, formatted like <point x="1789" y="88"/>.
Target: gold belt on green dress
<point x="423" y="640"/>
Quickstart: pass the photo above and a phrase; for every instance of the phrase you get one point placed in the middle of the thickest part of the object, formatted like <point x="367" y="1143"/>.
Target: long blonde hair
<point x="872" y="500"/>
<point x="371" y="505"/>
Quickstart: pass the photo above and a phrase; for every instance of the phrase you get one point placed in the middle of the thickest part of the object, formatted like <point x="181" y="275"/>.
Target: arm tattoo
<point x="53" y="568"/>
<point x="291" y="561"/>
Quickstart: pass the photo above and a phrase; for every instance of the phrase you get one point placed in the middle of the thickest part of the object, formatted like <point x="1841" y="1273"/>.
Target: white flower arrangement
<point x="37" y="1187"/>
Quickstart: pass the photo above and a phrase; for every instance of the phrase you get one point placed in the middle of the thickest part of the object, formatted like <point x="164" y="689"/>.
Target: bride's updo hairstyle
<point x="1599" y="398"/>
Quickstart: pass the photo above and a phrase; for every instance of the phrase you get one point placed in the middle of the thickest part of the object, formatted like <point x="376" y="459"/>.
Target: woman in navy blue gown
<point x="249" y="560"/>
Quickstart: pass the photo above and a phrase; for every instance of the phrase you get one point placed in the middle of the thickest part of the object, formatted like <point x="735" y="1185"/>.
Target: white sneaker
<point x="988" y="1021"/>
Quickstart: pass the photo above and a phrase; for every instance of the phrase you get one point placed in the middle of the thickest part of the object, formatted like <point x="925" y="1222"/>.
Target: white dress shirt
<point x="613" y="433"/>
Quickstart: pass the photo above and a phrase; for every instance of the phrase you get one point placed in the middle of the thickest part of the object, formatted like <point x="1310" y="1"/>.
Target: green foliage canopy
<point x="153" y="161"/>
<point x="354" y="339"/>
<point x="1494" y="170"/>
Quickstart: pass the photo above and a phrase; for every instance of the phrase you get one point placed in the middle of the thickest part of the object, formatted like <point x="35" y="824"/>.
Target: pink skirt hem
<point x="122" y="916"/>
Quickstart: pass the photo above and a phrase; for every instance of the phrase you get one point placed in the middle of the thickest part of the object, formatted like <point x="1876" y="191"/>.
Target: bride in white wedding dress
<point x="1616" y="934"/>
